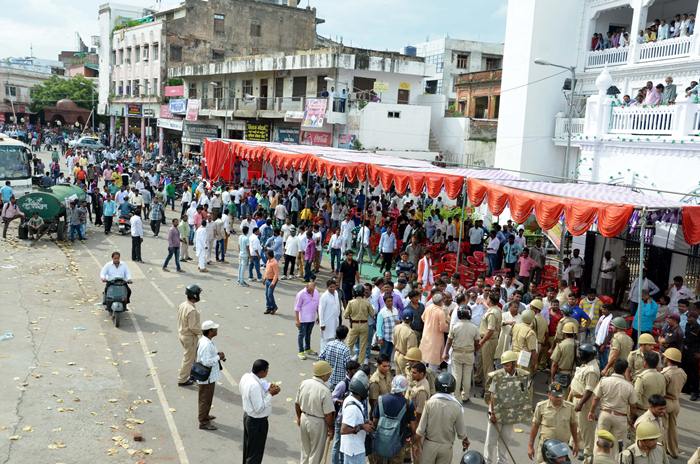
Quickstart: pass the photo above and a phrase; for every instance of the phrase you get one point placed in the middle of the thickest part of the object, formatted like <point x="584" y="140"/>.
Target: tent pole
<point x="561" y="245"/>
<point x="362" y="221"/>
<point x="640" y="277"/>
<point x="461" y="224"/>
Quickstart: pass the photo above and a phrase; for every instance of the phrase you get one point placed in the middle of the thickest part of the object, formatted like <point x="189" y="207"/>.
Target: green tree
<point x="78" y="88"/>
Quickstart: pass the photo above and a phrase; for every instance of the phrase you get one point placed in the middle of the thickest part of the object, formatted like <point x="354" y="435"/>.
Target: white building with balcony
<point x="655" y="147"/>
<point x="369" y="96"/>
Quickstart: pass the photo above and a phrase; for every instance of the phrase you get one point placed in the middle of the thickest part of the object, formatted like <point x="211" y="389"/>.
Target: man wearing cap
<point x="314" y="413"/>
<point x="553" y="418"/>
<point x="404" y="338"/>
<point x="673" y="333"/>
<point x="188" y="329"/>
<point x="656" y="413"/>
<point x="358" y="311"/>
<point x="489" y="331"/>
<point x="604" y="445"/>
<point x="539" y="325"/>
<point x="463" y="340"/>
<point x="675" y="379"/>
<point x="582" y="385"/>
<point x="650" y="381"/>
<point x="636" y="357"/>
<point x="645" y="449"/>
<point x="617" y="400"/>
<point x="209" y="357"/>
<point x="391" y="405"/>
<point x="620" y="345"/>
<point x="564" y="357"/>
<point x="568" y="318"/>
<point x="499" y="428"/>
<point x="525" y="339"/>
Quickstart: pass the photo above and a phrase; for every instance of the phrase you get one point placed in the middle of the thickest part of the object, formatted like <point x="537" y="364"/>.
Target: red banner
<point x="320" y="139"/>
<point x="174" y="90"/>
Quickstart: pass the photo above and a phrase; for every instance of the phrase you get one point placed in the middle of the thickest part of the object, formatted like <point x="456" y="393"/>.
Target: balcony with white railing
<point x="609" y="56"/>
<point x="677" y="47"/>
<point x="640" y="120"/>
<point x="561" y="128"/>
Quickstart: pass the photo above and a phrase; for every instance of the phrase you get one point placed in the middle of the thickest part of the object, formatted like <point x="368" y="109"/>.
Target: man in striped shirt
<point x="386" y="321"/>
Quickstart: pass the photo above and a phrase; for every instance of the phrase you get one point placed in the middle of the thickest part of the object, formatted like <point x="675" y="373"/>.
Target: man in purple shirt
<point x="305" y="315"/>
<point x="309" y="254"/>
<point x="173" y="247"/>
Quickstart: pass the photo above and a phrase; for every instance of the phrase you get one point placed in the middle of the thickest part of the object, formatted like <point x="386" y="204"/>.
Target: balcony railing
<point x="658" y="120"/>
<point x="561" y="127"/>
<point x="609" y="56"/>
<point x="270" y="104"/>
<point x="665" y="49"/>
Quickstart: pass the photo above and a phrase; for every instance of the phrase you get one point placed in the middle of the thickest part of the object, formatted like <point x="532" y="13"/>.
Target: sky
<point x="49" y="26"/>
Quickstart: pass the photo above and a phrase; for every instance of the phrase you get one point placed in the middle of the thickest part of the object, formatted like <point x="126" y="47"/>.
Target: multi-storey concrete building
<point x="18" y="76"/>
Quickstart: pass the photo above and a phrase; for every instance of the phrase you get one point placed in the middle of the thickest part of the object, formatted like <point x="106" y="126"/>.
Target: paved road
<point x="80" y="387"/>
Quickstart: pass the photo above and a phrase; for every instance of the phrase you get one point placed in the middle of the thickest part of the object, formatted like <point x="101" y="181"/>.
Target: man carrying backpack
<point x="341" y="392"/>
<point x="394" y="421"/>
<point x="355" y="423"/>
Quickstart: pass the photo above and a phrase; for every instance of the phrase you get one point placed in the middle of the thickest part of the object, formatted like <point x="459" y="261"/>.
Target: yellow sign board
<point x="404" y="86"/>
<point x="380" y="87"/>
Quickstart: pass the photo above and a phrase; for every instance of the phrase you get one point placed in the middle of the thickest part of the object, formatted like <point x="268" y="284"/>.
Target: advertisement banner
<point x="287" y="135"/>
<point x="165" y="112"/>
<point x="133" y="109"/>
<point x="172" y="124"/>
<point x="346" y="141"/>
<point x="178" y="105"/>
<point x="319" y="139"/>
<point x="314" y="113"/>
<point x="174" y="90"/>
<point x="192" y="109"/>
<point x="257" y="131"/>
<point x="380" y="87"/>
<point x="200" y="131"/>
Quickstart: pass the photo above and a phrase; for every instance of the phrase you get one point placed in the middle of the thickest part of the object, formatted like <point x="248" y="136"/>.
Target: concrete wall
<point x="281" y="29"/>
<point x="410" y="131"/>
<point x="529" y="99"/>
<point x="148" y="34"/>
<point x="23" y="81"/>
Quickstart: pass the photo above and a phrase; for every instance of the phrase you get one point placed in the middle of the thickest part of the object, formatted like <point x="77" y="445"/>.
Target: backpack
<point x="387" y="437"/>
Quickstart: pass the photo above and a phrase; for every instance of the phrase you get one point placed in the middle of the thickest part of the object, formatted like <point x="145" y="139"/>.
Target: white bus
<point x="15" y="164"/>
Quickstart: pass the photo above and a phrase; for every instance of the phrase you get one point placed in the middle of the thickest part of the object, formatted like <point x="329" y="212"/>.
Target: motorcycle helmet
<point x="473" y="457"/>
<point x="358" y="290"/>
<point x="586" y="352"/>
<point x="555" y="452"/>
<point x="359" y="385"/>
<point x="445" y="383"/>
<point x="192" y="292"/>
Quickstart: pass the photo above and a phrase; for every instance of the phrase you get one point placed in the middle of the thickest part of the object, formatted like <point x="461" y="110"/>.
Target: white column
<point x="696" y="41"/>
<point x="639" y="19"/>
<point x="143" y="132"/>
<point x="161" y="136"/>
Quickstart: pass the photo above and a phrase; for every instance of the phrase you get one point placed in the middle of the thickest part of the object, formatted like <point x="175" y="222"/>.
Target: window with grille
<point x="217" y="55"/>
<point x="192" y="92"/>
<point x="247" y="87"/>
<point x="137" y="54"/>
<point x="175" y="53"/>
<point x="493" y="63"/>
<point x="219" y="23"/>
<point x="462" y="61"/>
<point x="155" y="51"/>
<point x="255" y="30"/>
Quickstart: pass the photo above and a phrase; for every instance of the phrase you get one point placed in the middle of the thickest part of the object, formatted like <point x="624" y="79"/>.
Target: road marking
<point x="169" y="302"/>
<point x="179" y="445"/>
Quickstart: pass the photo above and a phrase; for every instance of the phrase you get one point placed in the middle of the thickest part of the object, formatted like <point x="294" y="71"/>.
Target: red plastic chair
<point x="480" y="255"/>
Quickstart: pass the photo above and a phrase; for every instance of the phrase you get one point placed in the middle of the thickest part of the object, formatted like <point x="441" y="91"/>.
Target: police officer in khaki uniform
<point x="636" y="357"/>
<point x="650" y="381"/>
<point x="584" y="382"/>
<point x="564" y="357"/>
<point x="540" y="327"/>
<point x="646" y="448"/>
<point x="675" y="379"/>
<point x="380" y="380"/>
<point x="463" y="340"/>
<point x="553" y="418"/>
<point x="358" y="311"/>
<point x="404" y="338"/>
<point x="524" y="338"/>
<point x="419" y="391"/>
<point x="489" y="331"/>
<point x="656" y="413"/>
<point x="617" y="400"/>
<point x="189" y="330"/>
<point x="559" y="336"/>
<point x="315" y="411"/>
<point x="620" y="346"/>
<point x="442" y="420"/>
<point x="604" y="448"/>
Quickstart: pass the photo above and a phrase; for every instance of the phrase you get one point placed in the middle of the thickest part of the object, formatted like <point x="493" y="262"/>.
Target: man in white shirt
<point x="364" y="238"/>
<point x="607" y="274"/>
<point x="355" y="423"/>
<point x="208" y="357"/>
<point x="201" y="246"/>
<point x="291" y="249"/>
<point x="329" y="308"/>
<point x="115" y="269"/>
<point x="256" y="398"/>
<point x="136" y="236"/>
<point x="476" y="236"/>
<point x="280" y="212"/>
<point x="255" y="254"/>
<point x="492" y="247"/>
<point x="577" y="264"/>
<point x="677" y="291"/>
<point x="237" y="194"/>
<point x="346" y="234"/>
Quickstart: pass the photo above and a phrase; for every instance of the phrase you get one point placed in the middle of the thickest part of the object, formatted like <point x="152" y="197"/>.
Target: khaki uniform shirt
<point x="565" y="355"/>
<point x="675" y="379"/>
<point x="659" y="421"/>
<point x="633" y="455"/>
<point x="540" y="326"/>
<point x="616" y="393"/>
<point x="314" y="398"/>
<point x="524" y="338"/>
<point x="491" y="320"/>
<point x="560" y="327"/>
<point x="602" y="458"/>
<point x="636" y="363"/>
<point x="418" y="392"/>
<point x="649" y="382"/>
<point x="188" y="324"/>
<point x="404" y="338"/>
<point x="622" y="343"/>
<point x="379" y="384"/>
<point x="358" y="309"/>
<point x="464" y="336"/>
<point x="554" y="422"/>
<point x="585" y="378"/>
<point x="442" y="420"/>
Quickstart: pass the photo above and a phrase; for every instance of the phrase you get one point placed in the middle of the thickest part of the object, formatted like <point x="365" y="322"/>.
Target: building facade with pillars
<point x="18" y="76"/>
<point x="359" y="97"/>
<point x="447" y="58"/>
<point x="478" y="94"/>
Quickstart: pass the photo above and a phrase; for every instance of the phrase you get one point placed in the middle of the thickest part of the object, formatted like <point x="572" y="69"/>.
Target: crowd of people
<point x="682" y="25"/>
<point x="399" y="356"/>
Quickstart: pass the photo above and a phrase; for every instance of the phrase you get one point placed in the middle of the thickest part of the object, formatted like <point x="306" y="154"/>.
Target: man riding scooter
<point x="116" y="270"/>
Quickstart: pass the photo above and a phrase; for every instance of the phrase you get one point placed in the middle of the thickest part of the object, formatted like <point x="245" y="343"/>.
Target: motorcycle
<point x="116" y="295"/>
<point x="124" y="225"/>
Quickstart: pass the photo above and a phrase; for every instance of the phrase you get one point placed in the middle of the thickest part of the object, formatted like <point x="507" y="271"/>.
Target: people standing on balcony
<point x="668" y="96"/>
<point x="653" y="97"/>
<point x="662" y="32"/>
<point x="676" y="26"/>
<point x="640" y="37"/>
<point x="626" y="100"/>
<point x="594" y="42"/>
<point x="692" y="91"/>
<point x="691" y="24"/>
<point x="684" y="26"/>
<point x="649" y="35"/>
<point x="625" y="39"/>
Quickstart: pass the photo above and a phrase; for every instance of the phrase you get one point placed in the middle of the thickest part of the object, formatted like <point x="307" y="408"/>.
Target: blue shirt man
<point x="109" y="208"/>
<point x="6" y="192"/>
<point x="648" y="309"/>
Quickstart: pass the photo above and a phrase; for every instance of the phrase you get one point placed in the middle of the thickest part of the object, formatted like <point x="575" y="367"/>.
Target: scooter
<point x="116" y="295"/>
<point x="124" y="225"/>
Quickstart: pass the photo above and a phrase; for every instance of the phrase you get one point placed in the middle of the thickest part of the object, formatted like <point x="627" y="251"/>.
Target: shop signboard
<point x="380" y="86"/>
<point x="287" y="135"/>
<point x="200" y="131"/>
<point x="192" y="109"/>
<point x="320" y="139"/>
<point x="133" y="109"/>
<point x="174" y="90"/>
<point x="314" y="113"/>
<point x="257" y="131"/>
<point x="172" y="124"/>
<point x="178" y="105"/>
<point x="165" y="112"/>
